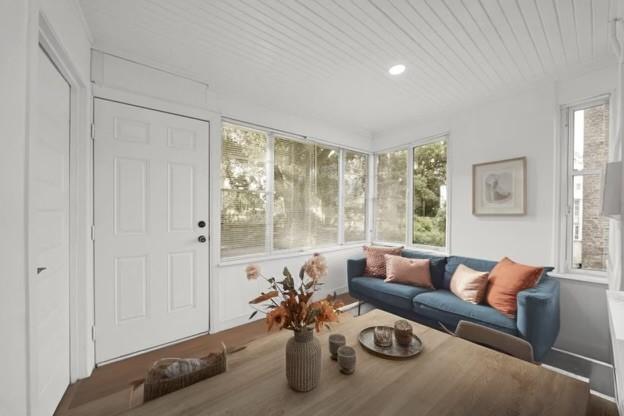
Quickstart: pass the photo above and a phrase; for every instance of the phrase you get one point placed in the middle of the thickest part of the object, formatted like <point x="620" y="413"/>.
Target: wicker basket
<point x="158" y="384"/>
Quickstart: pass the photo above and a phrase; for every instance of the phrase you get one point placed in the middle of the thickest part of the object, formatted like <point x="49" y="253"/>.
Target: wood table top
<point x="450" y="377"/>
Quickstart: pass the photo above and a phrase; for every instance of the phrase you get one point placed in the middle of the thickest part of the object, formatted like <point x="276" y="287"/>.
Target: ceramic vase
<point x="303" y="361"/>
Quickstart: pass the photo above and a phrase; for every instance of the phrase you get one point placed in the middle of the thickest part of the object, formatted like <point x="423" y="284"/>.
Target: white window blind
<point x="292" y="224"/>
<point x="355" y="185"/>
<point x="305" y="204"/>
<point x="243" y="191"/>
<point x="391" y="202"/>
<point x="325" y="203"/>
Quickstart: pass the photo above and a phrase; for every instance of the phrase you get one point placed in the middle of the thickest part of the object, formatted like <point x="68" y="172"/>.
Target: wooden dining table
<point x="450" y="376"/>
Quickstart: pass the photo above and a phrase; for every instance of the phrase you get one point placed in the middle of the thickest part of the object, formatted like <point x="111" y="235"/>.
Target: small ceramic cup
<point x="346" y="359"/>
<point x="403" y="333"/>
<point x="336" y="341"/>
<point x="383" y="336"/>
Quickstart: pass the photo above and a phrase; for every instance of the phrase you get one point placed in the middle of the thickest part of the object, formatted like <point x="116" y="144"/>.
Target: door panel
<point x="49" y="239"/>
<point x="151" y="190"/>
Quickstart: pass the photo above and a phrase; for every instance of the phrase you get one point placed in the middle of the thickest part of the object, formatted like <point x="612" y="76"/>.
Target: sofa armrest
<point x="355" y="268"/>
<point x="538" y="315"/>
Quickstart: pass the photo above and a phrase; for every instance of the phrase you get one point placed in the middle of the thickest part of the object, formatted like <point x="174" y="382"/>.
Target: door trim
<point x="42" y="35"/>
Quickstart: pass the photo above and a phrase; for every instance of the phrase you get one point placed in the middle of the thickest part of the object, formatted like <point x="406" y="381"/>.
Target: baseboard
<point x="582" y="357"/>
<point x="597" y="373"/>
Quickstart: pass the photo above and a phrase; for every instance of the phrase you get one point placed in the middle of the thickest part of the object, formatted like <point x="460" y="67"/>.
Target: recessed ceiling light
<point x="396" y="69"/>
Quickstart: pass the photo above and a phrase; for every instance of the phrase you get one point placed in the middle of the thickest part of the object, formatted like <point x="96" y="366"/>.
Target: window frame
<point x="567" y="173"/>
<point x="409" y="206"/>
<point x="271" y="252"/>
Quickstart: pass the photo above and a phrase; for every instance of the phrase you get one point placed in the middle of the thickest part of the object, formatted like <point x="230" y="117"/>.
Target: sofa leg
<point x="359" y="305"/>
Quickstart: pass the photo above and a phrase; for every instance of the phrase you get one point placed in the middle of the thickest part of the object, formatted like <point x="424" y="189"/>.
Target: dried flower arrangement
<point x="290" y="307"/>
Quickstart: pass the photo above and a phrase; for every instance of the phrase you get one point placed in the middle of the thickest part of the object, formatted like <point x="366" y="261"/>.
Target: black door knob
<point x="201" y="224"/>
<point x="201" y="238"/>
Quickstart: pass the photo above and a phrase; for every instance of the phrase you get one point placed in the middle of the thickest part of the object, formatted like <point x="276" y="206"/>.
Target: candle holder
<point x="346" y="359"/>
<point x="336" y="341"/>
<point x="403" y="332"/>
<point x="383" y="336"/>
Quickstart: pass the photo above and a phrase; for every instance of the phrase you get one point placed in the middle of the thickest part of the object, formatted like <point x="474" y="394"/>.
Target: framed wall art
<point x="500" y="188"/>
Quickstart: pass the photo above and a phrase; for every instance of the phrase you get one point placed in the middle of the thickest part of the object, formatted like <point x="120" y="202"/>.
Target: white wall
<point x="236" y="291"/>
<point x="525" y="123"/>
<point x="13" y="41"/>
<point x="19" y="23"/>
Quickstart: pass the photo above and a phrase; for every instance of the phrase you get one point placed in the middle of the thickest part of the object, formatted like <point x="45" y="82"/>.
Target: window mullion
<point x="341" y="190"/>
<point x="270" y="187"/>
<point x="409" y="194"/>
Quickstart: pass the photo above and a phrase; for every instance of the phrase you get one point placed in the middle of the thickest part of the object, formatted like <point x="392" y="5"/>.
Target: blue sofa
<point x="537" y="319"/>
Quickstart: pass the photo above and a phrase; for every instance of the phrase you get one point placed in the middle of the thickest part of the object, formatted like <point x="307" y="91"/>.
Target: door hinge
<point x="93" y="233"/>
<point x="93" y="332"/>
<point x="92" y="131"/>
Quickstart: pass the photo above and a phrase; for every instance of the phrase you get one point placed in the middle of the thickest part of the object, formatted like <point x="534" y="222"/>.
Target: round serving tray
<point x="395" y="351"/>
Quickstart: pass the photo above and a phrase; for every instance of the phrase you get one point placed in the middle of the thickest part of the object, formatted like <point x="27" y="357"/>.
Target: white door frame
<point x="214" y="149"/>
<point x="42" y="34"/>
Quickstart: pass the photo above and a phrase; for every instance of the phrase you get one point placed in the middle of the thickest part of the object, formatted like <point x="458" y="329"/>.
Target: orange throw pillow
<point x="375" y="261"/>
<point x="508" y="278"/>
<point x="413" y="272"/>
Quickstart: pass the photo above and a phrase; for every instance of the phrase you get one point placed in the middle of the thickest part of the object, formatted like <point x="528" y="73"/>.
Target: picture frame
<point x="499" y="188"/>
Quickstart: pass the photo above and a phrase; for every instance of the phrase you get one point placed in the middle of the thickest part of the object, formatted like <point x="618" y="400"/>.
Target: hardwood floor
<point x="107" y="392"/>
<point x="601" y="407"/>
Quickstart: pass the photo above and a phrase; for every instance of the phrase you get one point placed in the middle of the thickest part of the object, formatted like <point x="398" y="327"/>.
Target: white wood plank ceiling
<point x="328" y="59"/>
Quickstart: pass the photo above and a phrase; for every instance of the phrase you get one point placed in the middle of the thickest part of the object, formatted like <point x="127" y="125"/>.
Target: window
<point x="429" y="197"/>
<point x="293" y="194"/>
<point x="326" y="193"/>
<point x="243" y="191"/>
<point x="355" y="191"/>
<point x="587" y="152"/>
<point x="305" y="207"/>
<point x="391" y="208"/>
<point x="412" y="180"/>
<point x="281" y="193"/>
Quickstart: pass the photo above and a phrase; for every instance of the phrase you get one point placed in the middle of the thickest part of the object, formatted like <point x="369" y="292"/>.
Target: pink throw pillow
<point x="413" y="272"/>
<point x="375" y="261"/>
<point x="469" y="284"/>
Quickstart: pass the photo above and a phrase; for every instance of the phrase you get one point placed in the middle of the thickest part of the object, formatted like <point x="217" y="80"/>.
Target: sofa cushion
<point x="468" y="284"/>
<point x="375" y="260"/>
<point x="475" y="264"/>
<point x="436" y="266"/>
<point x="415" y="272"/>
<point x="445" y="307"/>
<point x="396" y="294"/>
<point x="506" y="280"/>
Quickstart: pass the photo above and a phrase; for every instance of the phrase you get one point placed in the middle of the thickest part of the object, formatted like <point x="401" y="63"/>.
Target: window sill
<point x="579" y="277"/>
<point x="435" y="251"/>
<point x="287" y="255"/>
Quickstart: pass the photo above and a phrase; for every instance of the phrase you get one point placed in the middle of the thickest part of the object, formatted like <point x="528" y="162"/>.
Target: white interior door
<point x="49" y="240"/>
<point x="151" y="210"/>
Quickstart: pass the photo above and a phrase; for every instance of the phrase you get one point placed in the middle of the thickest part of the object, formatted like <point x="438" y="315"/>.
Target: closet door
<point x="48" y="186"/>
<point x="151" y="228"/>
